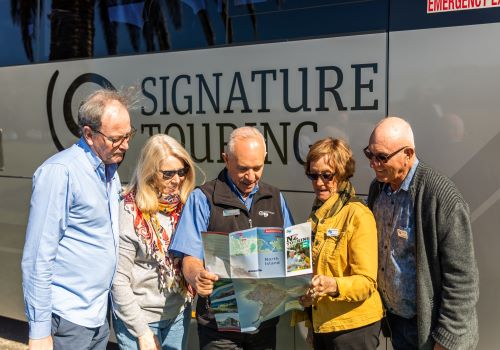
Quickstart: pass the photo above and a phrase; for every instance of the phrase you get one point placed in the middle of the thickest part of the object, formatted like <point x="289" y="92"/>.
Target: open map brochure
<point x="262" y="272"/>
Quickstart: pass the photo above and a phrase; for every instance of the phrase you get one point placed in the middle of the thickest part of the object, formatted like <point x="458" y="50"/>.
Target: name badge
<point x="231" y="212"/>
<point x="332" y="232"/>
<point x="402" y="233"/>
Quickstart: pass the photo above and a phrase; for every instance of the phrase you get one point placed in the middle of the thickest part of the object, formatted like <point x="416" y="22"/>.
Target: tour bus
<point x="299" y="70"/>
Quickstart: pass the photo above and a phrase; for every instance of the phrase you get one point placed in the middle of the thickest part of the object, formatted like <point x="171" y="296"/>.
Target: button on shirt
<point x="393" y="211"/>
<point x="71" y="247"/>
<point x="196" y="215"/>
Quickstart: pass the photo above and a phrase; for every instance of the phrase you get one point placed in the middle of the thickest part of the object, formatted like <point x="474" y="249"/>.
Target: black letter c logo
<point x="68" y="97"/>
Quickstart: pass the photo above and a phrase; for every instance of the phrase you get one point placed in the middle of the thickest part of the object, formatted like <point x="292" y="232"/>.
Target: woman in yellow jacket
<point x="346" y="307"/>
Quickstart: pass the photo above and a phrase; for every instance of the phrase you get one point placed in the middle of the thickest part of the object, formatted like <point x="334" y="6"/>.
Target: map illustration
<point x="256" y="284"/>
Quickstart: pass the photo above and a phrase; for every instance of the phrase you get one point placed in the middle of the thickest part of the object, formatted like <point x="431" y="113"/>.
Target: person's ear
<point x="409" y="152"/>
<point x="87" y="134"/>
<point x="225" y="158"/>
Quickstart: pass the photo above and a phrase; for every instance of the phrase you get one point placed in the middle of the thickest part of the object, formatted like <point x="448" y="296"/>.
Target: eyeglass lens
<point x="128" y="136"/>
<point x="118" y="140"/>
<point x="381" y="158"/>
<point x="324" y="176"/>
<point x="168" y="174"/>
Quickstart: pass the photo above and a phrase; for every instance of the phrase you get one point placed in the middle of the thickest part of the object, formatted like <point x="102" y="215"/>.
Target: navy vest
<point x="264" y="212"/>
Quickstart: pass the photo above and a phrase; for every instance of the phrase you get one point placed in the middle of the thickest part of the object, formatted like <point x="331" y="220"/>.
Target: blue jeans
<point x="172" y="334"/>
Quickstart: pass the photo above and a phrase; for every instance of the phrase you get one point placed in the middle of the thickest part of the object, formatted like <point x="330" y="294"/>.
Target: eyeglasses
<point x="381" y="158"/>
<point x="116" y="141"/>
<point x="325" y="176"/>
<point x="168" y="174"/>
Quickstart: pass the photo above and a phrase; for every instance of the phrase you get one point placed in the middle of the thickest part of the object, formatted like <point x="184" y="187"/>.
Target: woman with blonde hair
<point x="346" y="306"/>
<point x="151" y="301"/>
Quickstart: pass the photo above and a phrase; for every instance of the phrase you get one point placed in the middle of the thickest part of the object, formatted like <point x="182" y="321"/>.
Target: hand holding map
<point x="257" y="281"/>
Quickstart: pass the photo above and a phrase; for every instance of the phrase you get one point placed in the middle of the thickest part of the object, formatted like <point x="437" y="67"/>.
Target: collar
<point x="405" y="185"/>
<point x="107" y="171"/>
<point x="237" y="192"/>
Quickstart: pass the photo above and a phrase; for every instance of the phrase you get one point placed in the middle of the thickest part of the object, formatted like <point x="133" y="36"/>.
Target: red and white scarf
<point x="157" y="241"/>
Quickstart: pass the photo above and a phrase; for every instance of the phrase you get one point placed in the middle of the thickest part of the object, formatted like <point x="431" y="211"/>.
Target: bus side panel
<point x="15" y="194"/>
<point x="296" y="93"/>
<point x="445" y="82"/>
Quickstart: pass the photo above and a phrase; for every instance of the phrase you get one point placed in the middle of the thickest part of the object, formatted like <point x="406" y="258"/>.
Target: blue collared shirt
<point x="71" y="247"/>
<point x="195" y="217"/>
<point x="393" y="211"/>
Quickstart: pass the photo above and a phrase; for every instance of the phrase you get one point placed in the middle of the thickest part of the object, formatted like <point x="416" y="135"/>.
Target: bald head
<point x="393" y="130"/>
<point x="391" y="151"/>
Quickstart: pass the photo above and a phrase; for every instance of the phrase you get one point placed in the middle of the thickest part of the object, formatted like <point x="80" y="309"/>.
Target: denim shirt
<point x="393" y="211"/>
<point x="71" y="247"/>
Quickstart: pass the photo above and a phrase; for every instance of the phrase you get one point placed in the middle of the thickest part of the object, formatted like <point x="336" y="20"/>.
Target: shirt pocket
<point x="402" y="241"/>
<point x="334" y="254"/>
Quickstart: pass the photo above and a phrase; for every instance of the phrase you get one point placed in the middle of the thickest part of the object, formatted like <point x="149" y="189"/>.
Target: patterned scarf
<point x="345" y="191"/>
<point x="156" y="238"/>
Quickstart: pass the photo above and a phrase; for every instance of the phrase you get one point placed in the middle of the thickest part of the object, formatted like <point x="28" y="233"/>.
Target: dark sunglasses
<point x="324" y="176"/>
<point x="381" y="158"/>
<point x="168" y="174"/>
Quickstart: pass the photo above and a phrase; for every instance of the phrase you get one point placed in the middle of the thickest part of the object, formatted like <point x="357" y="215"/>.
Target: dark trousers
<point x="366" y="337"/>
<point x="211" y="339"/>
<point x="68" y="335"/>
<point x="404" y="332"/>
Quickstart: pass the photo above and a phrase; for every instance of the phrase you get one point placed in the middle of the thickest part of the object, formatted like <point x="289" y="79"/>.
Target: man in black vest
<point x="235" y="200"/>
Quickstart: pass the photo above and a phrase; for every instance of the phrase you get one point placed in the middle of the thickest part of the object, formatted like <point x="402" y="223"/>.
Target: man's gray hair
<point x="244" y="133"/>
<point x="92" y="108"/>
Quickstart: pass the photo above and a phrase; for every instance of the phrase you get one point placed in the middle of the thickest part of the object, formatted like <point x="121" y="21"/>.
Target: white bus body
<point x="442" y="79"/>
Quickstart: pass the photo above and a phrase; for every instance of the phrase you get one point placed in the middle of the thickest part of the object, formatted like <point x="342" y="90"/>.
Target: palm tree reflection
<point x="72" y="24"/>
<point x="23" y="12"/>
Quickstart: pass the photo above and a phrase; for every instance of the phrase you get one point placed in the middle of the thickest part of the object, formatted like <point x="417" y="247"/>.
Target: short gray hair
<point x="244" y="133"/>
<point x="92" y="108"/>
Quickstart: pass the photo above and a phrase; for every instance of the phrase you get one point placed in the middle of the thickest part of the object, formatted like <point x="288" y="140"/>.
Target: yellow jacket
<point x="345" y="247"/>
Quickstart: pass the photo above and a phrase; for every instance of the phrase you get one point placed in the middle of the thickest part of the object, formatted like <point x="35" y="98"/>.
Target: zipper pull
<point x="250" y="222"/>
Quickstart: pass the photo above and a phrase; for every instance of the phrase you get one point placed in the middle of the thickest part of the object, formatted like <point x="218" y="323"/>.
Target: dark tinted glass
<point x="168" y="174"/>
<point x="285" y="20"/>
<point x="149" y="26"/>
<point x="12" y="51"/>
<point x="40" y="31"/>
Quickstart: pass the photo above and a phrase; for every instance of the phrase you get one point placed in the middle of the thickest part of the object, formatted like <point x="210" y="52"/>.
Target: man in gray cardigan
<point x="427" y="273"/>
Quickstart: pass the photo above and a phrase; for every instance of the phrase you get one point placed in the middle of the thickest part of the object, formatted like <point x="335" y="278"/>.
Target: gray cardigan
<point x="137" y="299"/>
<point x="447" y="274"/>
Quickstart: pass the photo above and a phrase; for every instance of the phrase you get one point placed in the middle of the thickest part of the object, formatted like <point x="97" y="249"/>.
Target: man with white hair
<point x="427" y="273"/>
<point x="235" y="200"/>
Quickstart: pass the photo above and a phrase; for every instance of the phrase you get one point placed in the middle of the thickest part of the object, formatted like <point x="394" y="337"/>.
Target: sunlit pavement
<point x="6" y="344"/>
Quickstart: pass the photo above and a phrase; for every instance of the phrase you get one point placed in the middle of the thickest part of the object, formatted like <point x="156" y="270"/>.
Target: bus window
<point x="61" y="30"/>
<point x="151" y="26"/>
<point x="13" y="52"/>
<point x="265" y="20"/>
<point x="57" y="30"/>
